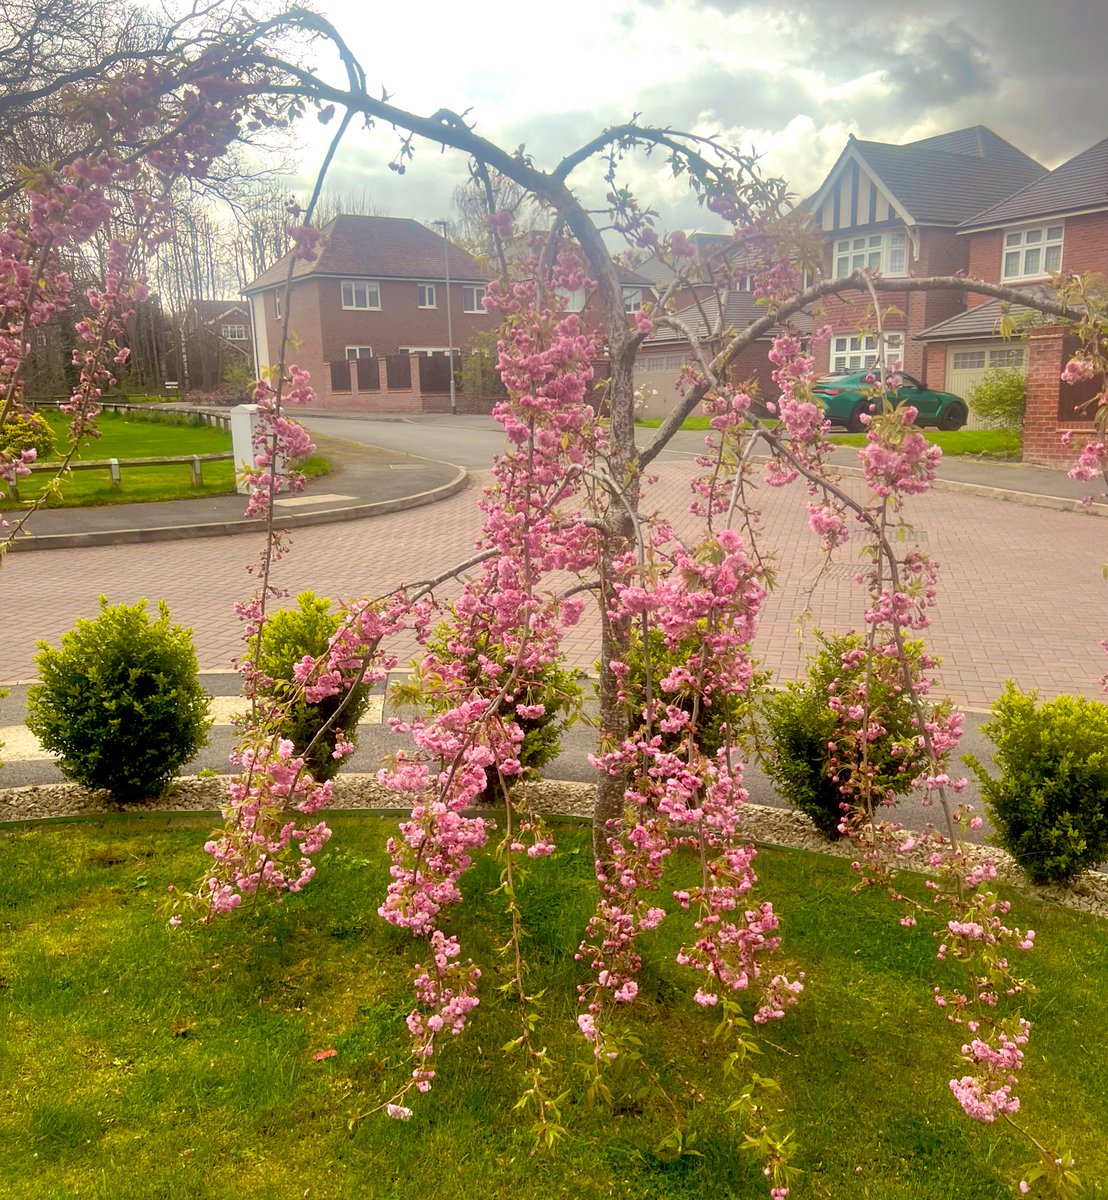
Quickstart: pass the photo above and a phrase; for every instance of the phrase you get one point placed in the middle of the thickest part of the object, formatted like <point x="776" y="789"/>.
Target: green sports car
<point x="846" y="397"/>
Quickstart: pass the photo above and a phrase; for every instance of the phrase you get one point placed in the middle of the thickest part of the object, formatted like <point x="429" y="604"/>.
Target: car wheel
<point x="854" y="421"/>
<point x="953" y="417"/>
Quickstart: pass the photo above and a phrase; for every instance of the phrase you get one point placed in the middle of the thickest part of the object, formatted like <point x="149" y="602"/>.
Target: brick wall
<point x="1085" y="244"/>
<point x="1084" y="250"/>
<point x="1048" y="350"/>
<point x="942" y="252"/>
<point x="934" y="365"/>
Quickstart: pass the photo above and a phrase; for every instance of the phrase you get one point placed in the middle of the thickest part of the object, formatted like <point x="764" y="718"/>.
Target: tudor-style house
<point x="897" y="210"/>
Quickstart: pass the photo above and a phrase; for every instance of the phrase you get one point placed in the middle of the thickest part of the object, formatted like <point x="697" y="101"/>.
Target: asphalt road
<point x="375" y="740"/>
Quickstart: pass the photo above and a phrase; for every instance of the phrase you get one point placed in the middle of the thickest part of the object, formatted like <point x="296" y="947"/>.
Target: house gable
<point x="853" y="196"/>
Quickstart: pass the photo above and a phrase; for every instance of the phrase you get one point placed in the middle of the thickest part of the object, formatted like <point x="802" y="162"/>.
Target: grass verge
<point x="986" y="443"/>
<point x="141" y="1061"/>
<point x="140" y="436"/>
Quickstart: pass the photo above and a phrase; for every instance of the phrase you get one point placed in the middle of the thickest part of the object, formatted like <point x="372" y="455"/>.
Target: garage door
<point x="966" y="366"/>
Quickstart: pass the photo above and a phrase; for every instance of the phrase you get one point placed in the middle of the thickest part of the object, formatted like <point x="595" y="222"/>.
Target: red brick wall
<point x="934" y="366"/>
<point x="942" y="252"/>
<point x="1084" y="249"/>
<point x="985" y="250"/>
<point x="1048" y="350"/>
<point x="1085" y="244"/>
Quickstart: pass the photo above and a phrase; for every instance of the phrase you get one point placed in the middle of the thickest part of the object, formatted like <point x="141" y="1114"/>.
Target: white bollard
<point x="244" y="420"/>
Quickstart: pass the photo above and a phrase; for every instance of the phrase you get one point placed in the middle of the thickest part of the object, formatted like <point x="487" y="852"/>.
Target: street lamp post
<point x="449" y="320"/>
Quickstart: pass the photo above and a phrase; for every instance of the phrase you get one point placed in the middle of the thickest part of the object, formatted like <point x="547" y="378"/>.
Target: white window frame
<point x="472" y="295"/>
<point x="883" y="253"/>
<point x="369" y="299"/>
<point x="632" y="299"/>
<point x="277" y="304"/>
<point x="356" y="352"/>
<point x="574" y="301"/>
<point x="425" y="295"/>
<point x="1031" y="244"/>
<point x="233" y="333"/>
<point x="428" y="351"/>
<point x="852" y="352"/>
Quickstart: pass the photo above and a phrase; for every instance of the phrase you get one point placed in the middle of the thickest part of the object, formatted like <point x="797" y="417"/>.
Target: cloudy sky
<point x="790" y="79"/>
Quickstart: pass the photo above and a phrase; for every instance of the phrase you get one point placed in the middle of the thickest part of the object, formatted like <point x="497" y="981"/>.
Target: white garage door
<point x="967" y="364"/>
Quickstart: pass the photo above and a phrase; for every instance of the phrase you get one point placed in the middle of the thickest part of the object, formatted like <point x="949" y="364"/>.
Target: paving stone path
<point x="1021" y="593"/>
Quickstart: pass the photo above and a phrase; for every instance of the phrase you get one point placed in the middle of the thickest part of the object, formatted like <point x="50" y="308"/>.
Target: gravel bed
<point x="784" y="827"/>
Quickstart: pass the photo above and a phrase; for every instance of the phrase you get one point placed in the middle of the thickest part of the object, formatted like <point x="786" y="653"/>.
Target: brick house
<point x="214" y="335"/>
<point x="371" y="310"/>
<point x="665" y="353"/>
<point x="1057" y="223"/>
<point x="897" y="210"/>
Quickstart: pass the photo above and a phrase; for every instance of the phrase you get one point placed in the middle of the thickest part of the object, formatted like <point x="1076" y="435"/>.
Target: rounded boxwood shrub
<point x="27" y="431"/>
<point x="120" y="701"/>
<point x="1000" y="398"/>
<point x="552" y="686"/>
<point x="729" y="711"/>
<point x="287" y="636"/>
<point x="810" y="763"/>
<point x="1049" y="802"/>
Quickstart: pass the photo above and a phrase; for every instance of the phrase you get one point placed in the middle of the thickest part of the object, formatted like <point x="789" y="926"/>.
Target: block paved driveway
<point x="1021" y="589"/>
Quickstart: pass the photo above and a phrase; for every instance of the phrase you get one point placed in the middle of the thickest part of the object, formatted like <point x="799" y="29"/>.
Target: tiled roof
<point x="378" y="248"/>
<point x="982" y="320"/>
<point x="709" y="247"/>
<point x="213" y="310"/>
<point x="1081" y="183"/>
<point x="946" y="179"/>
<point x="739" y="310"/>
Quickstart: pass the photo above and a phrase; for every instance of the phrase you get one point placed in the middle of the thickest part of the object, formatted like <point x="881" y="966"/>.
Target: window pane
<point x="859" y="243"/>
<point x="1031" y="261"/>
<point x="897" y="239"/>
<point x="840" y="345"/>
<point x="968" y="360"/>
<point x="1054" y="233"/>
<point x="876" y="241"/>
<point x="855" y="362"/>
<point x="373" y="295"/>
<point x="855" y="343"/>
<point x="1014" y="239"/>
<point x="896" y="262"/>
<point x="842" y="268"/>
<point x="1033" y="236"/>
<point x="1011" y="264"/>
<point x="874" y="263"/>
<point x="1053" y="258"/>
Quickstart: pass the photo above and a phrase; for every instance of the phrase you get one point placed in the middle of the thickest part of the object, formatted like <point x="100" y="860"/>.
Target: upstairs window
<point x="1032" y="253"/>
<point x="233" y="333"/>
<point x="277" y="304"/>
<point x="425" y="295"/>
<point x="359" y="352"/>
<point x="884" y="253"/>
<point x="360" y="293"/>
<point x="632" y="299"/>
<point x="473" y="299"/>
<point x="856" y="352"/>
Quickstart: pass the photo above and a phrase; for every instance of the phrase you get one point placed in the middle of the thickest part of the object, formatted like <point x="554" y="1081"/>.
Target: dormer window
<point x="884" y="253"/>
<point x="1032" y="253"/>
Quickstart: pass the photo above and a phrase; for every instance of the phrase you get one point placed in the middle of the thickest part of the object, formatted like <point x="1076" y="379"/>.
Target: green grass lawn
<point x="989" y="443"/>
<point x="126" y="437"/>
<point x="142" y="1062"/>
